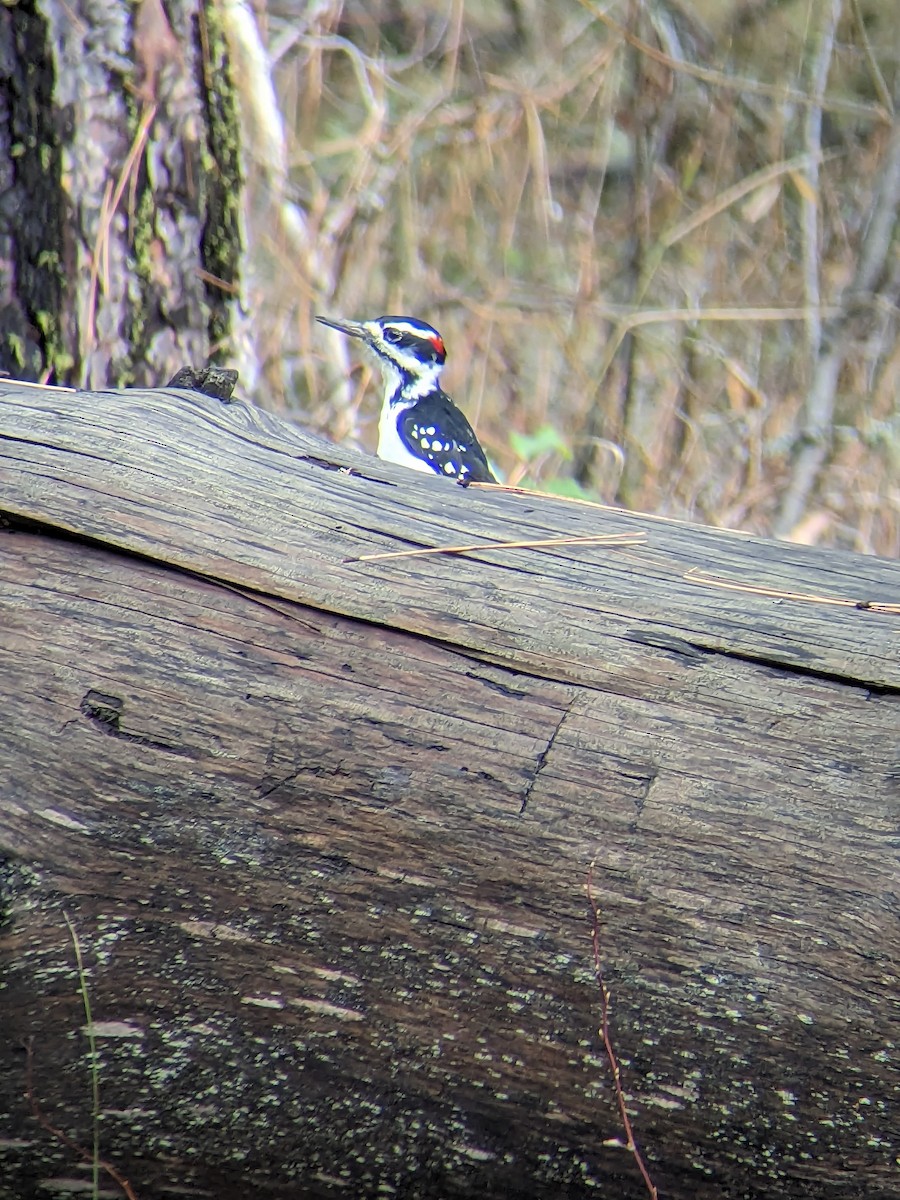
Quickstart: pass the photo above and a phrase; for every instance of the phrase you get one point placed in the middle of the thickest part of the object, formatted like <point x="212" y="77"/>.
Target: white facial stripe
<point x="405" y="327"/>
<point x="426" y="382"/>
<point x="405" y="360"/>
<point x="416" y="388"/>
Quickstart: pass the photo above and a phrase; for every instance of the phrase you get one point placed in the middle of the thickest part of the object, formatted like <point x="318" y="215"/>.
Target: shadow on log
<point x="322" y="826"/>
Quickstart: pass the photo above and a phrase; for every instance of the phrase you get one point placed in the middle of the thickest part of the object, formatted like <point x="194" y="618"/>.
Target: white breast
<point x="390" y="447"/>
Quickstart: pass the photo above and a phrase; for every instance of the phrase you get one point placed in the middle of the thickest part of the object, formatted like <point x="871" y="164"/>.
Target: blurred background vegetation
<point x="640" y="227"/>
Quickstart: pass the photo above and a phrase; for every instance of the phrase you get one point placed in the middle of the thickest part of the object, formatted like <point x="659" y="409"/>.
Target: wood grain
<point x="323" y="828"/>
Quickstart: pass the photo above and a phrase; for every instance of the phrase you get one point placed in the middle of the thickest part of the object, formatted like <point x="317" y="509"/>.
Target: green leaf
<point x="544" y="441"/>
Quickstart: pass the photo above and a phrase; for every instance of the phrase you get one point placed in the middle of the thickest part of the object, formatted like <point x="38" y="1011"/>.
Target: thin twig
<point x="605" y="1034"/>
<point x="676" y="233"/>
<point x="92" y="1044"/>
<point x="616" y="509"/>
<point x="878" y="82"/>
<point x="111" y="200"/>
<point x="734" y="83"/>
<point x="695" y="575"/>
<point x="653" y="316"/>
<point x="61" y="1136"/>
<point x="731" y="195"/>
<point x="25" y="383"/>
<point x="90" y="1156"/>
<point x="600" y="539"/>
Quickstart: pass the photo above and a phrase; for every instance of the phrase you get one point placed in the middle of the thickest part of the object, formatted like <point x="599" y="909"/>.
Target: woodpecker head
<point x="410" y="353"/>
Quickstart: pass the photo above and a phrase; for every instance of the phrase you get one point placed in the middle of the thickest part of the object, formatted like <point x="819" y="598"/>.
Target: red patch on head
<point x="438" y="342"/>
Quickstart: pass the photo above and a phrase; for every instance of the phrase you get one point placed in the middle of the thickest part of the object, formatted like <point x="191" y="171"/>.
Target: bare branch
<point x="815" y="439"/>
<point x="819" y="67"/>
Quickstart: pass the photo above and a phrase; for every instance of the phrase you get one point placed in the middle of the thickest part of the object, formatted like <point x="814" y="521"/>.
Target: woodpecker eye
<point x="393" y="335"/>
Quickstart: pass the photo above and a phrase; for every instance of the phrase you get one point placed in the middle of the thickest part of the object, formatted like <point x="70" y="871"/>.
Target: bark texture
<point x="322" y="828"/>
<point x="119" y="166"/>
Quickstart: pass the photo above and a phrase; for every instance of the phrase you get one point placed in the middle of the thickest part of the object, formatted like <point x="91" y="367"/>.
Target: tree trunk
<point x="119" y="166"/>
<point x="322" y="826"/>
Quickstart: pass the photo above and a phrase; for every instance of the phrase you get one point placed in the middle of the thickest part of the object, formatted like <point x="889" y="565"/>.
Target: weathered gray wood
<point x="325" y="845"/>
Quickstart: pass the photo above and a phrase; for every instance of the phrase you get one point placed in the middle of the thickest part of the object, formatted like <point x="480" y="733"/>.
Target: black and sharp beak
<point x="353" y="328"/>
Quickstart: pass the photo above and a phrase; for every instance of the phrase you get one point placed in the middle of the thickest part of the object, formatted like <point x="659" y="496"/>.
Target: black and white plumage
<point x="420" y="426"/>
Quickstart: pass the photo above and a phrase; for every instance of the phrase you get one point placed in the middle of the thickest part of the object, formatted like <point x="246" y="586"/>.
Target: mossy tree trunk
<point x="119" y="168"/>
<point x="322" y="823"/>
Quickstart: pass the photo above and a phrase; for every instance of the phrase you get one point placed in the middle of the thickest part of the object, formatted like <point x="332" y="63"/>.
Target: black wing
<point x="436" y="431"/>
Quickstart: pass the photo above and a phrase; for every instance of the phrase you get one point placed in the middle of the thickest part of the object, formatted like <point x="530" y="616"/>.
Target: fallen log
<point x="310" y="823"/>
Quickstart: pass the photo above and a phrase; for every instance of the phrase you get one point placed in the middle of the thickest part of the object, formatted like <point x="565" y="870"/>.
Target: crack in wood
<point x="542" y="757"/>
<point x="648" y="780"/>
<point x="392" y="730"/>
<point x="327" y="465"/>
<point x="496" y="686"/>
<point x="105" y="712"/>
<point x="44" y="445"/>
<point x="795" y="668"/>
<point x="684" y="648"/>
<point x="268" y="788"/>
<point x="665" y="641"/>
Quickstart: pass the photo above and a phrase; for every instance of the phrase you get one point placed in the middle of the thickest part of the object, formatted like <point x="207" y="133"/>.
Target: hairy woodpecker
<point x="420" y="426"/>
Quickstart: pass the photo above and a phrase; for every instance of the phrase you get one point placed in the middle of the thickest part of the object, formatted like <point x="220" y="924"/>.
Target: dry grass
<point x="633" y="225"/>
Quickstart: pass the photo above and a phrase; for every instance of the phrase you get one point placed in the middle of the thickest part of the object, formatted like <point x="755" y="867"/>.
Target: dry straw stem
<point x="600" y="539"/>
<point x="89" y="1156"/>
<point x="610" y="508"/>
<point x="637" y="318"/>
<point x="737" y="83"/>
<point x="92" y="1044"/>
<point x="694" y="575"/>
<point x="878" y="82"/>
<point x="44" y="387"/>
<point x="682" y="229"/>
<point x="111" y="201"/>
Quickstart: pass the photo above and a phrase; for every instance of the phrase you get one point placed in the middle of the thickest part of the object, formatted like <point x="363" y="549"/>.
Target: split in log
<point x="322" y="825"/>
